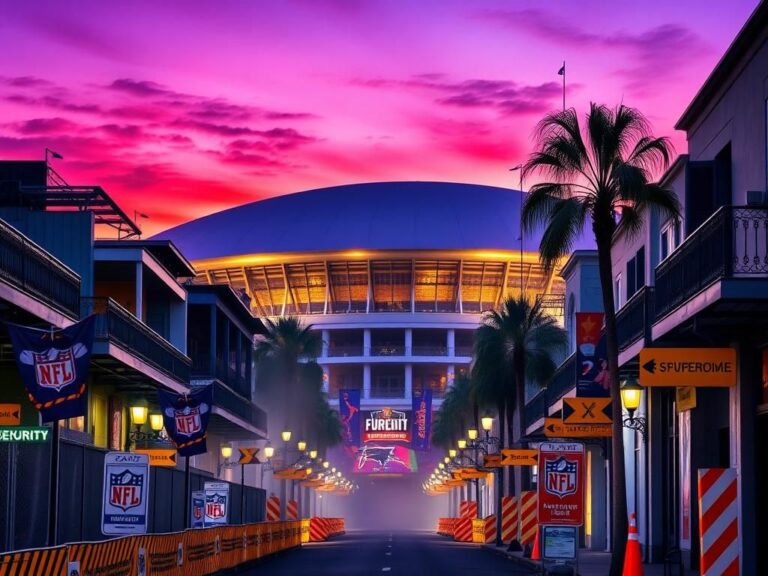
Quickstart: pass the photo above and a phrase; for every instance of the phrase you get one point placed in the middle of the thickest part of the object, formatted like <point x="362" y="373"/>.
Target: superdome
<point x="373" y="216"/>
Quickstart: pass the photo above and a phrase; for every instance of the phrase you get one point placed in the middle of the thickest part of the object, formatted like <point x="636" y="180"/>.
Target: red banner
<point x="561" y="487"/>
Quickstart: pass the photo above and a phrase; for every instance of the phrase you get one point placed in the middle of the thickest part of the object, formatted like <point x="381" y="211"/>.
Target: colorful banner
<point x="385" y="460"/>
<point x="592" y="376"/>
<point x="126" y="493"/>
<point x="186" y="418"/>
<point x="216" y="503"/>
<point x="349" y="414"/>
<point x="422" y="419"/>
<point x="386" y="425"/>
<point x="53" y="365"/>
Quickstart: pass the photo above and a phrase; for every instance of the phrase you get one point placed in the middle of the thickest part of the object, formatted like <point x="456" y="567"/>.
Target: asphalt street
<point x="381" y="553"/>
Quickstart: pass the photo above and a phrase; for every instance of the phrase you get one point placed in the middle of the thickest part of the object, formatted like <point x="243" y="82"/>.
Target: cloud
<point x="24" y="81"/>
<point x="45" y="126"/>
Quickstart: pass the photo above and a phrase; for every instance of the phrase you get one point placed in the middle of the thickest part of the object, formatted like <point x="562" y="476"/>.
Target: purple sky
<point x="180" y="108"/>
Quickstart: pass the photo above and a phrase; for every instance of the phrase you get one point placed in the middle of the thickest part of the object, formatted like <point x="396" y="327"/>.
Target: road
<point x="398" y="553"/>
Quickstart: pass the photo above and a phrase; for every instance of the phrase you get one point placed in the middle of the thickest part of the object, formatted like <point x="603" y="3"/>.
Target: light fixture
<point x="447" y="460"/>
<point x="326" y="464"/>
<point x="472" y="433"/>
<point x="487" y="423"/>
<point x="301" y="445"/>
<point x="452" y="453"/>
<point x="309" y="471"/>
<point x="441" y="466"/>
<point x="138" y="415"/>
<point x="226" y="451"/>
<point x="285" y="435"/>
<point x="269" y="451"/>
<point x="156" y="422"/>
<point x="462" y="444"/>
<point x="631" y="396"/>
<point x="338" y="474"/>
<point x="313" y="454"/>
<point x="333" y="470"/>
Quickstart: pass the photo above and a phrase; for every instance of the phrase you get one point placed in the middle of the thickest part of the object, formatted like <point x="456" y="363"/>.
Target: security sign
<point x="561" y="489"/>
<point x="126" y="492"/>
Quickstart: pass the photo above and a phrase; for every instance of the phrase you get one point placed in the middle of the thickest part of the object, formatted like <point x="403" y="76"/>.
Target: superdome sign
<point x="387" y="425"/>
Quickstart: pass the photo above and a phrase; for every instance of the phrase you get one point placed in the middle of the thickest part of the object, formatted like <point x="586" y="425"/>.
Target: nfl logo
<point x="125" y="490"/>
<point x="216" y="506"/>
<point x="188" y="421"/>
<point x="198" y="512"/>
<point x="560" y="477"/>
<point x="54" y="368"/>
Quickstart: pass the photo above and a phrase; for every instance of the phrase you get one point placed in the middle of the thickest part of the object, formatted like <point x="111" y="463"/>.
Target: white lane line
<point x="386" y="569"/>
<point x="387" y="553"/>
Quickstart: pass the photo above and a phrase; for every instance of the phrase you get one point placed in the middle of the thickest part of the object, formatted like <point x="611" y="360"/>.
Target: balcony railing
<point x="201" y="369"/>
<point x="119" y="326"/>
<point x="387" y="390"/>
<point x="387" y="350"/>
<point x="231" y="401"/>
<point x="26" y="266"/>
<point x="345" y="350"/>
<point x="634" y="320"/>
<point x="536" y="408"/>
<point x="732" y="243"/>
<point x="429" y="350"/>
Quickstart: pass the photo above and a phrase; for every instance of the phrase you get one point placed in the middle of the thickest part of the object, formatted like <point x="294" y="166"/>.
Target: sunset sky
<point x="179" y="109"/>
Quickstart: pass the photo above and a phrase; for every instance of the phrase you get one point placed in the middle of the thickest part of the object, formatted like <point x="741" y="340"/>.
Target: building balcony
<point x="31" y="270"/>
<point x="386" y="350"/>
<point x="344" y="351"/>
<point x="731" y="246"/>
<point x="429" y="350"/>
<point x="227" y="399"/>
<point x="634" y="320"/>
<point x="201" y="370"/>
<point x="116" y="325"/>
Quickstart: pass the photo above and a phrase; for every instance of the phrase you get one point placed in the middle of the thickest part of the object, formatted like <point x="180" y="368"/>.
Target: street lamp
<point x="139" y="415"/>
<point x="313" y="454"/>
<point x="326" y="464"/>
<point x="226" y="451"/>
<point x="285" y="435"/>
<point x="631" y="395"/>
<point x="156" y="422"/>
<point x="269" y="451"/>
<point x="452" y="453"/>
<point x="487" y="422"/>
<point x="301" y="445"/>
<point x="472" y="433"/>
<point x="462" y="444"/>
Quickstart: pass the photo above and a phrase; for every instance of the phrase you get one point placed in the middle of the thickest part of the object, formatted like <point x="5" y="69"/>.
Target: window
<point x="636" y="273"/>
<point x="671" y="235"/>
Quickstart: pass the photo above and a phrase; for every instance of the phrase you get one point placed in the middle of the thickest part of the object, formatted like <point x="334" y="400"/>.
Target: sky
<point x="183" y="108"/>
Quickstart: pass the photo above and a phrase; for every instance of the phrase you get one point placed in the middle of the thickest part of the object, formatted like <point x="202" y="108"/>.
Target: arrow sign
<point x="248" y="456"/>
<point x="587" y="411"/>
<point x="10" y="414"/>
<point x="291" y="474"/>
<point x="523" y="457"/>
<point x="699" y="367"/>
<point x="160" y="456"/>
<point x="554" y="428"/>
<point x="492" y="461"/>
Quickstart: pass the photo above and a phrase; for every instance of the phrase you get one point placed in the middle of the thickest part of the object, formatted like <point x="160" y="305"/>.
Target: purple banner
<point x="349" y="414"/>
<point x="186" y="418"/>
<point x="422" y="419"/>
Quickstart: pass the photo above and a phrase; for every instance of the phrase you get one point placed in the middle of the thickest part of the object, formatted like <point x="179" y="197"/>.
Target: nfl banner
<point x="53" y="365"/>
<point x="186" y="418"/>
<point x="349" y="414"/>
<point x="198" y="509"/>
<point x="216" y="503"/>
<point x="422" y="419"/>
<point x="126" y="493"/>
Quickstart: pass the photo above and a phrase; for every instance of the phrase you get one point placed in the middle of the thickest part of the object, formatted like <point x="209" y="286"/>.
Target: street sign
<point x="25" y="434"/>
<point x="291" y="474"/>
<point x="248" y="456"/>
<point x="522" y="457"/>
<point x="561" y="487"/>
<point x="198" y="509"/>
<point x="587" y="411"/>
<point x="472" y="474"/>
<point x="492" y="461"/>
<point x="126" y="493"/>
<point x="688" y="367"/>
<point x="10" y="414"/>
<point x="159" y="456"/>
<point x="554" y="428"/>
<point x="685" y="398"/>
<point x="216" y="503"/>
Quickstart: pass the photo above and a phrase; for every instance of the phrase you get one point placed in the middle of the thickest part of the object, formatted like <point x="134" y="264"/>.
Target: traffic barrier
<point x="633" y="557"/>
<point x="305" y="531"/>
<point x="719" y="521"/>
<point x="478" y="530"/>
<point x="292" y="510"/>
<point x="320" y="529"/>
<point x="468" y="509"/>
<point x="490" y="529"/>
<point x="536" y="552"/>
<point x="509" y="518"/>
<point x="445" y="526"/>
<point x="273" y="509"/>
<point x="462" y="530"/>
<point x="34" y="562"/>
<point x="528" y="517"/>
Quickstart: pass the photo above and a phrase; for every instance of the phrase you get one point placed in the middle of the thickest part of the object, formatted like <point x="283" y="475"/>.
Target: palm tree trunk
<point x="619" y="522"/>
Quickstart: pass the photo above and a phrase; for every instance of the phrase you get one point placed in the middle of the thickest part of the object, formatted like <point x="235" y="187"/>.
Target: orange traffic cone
<point x="633" y="558"/>
<point x="536" y="554"/>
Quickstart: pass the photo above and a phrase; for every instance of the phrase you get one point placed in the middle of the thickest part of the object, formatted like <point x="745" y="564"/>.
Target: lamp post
<point x="631" y="396"/>
<point x="487" y="423"/>
<point x="285" y="435"/>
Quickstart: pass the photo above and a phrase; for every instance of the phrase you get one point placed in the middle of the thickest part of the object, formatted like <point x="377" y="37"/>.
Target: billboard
<point x="561" y="488"/>
<point x="126" y="493"/>
<point x="386" y="425"/>
<point x="390" y="459"/>
<point x="216" y="503"/>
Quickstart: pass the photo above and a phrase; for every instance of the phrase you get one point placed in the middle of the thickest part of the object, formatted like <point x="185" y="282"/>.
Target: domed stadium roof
<point x="372" y="216"/>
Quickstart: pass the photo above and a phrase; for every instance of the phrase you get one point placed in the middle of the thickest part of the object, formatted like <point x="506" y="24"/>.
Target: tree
<point x="457" y="409"/>
<point x="514" y="345"/>
<point x="601" y="177"/>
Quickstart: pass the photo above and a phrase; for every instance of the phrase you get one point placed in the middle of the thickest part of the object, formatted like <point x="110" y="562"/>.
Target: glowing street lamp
<point x="462" y="444"/>
<point x="301" y="445"/>
<point x="452" y="453"/>
<point x="269" y="451"/>
<point x="472" y="433"/>
<point x="487" y="423"/>
<point x="285" y="435"/>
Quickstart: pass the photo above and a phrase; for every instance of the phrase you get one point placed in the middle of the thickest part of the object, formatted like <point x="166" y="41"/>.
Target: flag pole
<point x="563" y="85"/>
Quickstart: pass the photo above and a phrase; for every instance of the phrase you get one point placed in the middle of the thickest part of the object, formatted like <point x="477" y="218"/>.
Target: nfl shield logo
<point x="188" y="421"/>
<point x="125" y="490"/>
<point x="560" y="477"/>
<point x="54" y="368"/>
<point x="216" y="506"/>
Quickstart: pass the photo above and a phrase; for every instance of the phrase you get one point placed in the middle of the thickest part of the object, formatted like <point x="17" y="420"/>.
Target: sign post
<point x="216" y="503"/>
<point x="126" y="493"/>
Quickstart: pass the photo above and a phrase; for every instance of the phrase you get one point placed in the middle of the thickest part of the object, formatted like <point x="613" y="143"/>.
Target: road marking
<point x="387" y="553"/>
<point x="386" y="569"/>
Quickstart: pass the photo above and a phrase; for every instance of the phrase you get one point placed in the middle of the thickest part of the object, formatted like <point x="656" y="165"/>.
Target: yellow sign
<point x="685" y="398"/>
<point x="688" y="367"/>
<point x="587" y="411"/>
<point x="453" y="483"/>
<point x="159" y="456"/>
<point x="492" y="461"/>
<point x="10" y="414"/>
<point x="522" y="457"/>
<point x="248" y="456"/>
<point x="291" y="474"/>
<point x="554" y="428"/>
<point x="472" y="474"/>
<point x="312" y="483"/>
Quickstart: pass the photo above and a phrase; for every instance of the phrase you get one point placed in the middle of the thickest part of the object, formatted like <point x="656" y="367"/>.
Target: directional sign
<point x="248" y="456"/>
<point x="472" y="474"/>
<point x="688" y="367"/>
<point x="554" y="428"/>
<point x="159" y="456"/>
<point x="561" y="484"/>
<point x="291" y="474"/>
<point x="587" y="411"/>
<point x="526" y="457"/>
<point x="312" y="483"/>
<point x="10" y="414"/>
<point x="492" y="461"/>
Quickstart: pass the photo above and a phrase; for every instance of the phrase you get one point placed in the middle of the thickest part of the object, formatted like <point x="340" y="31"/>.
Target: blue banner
<point x="592" y="377"/>
<point x="186" y="418"/>
<point x="422" y="419"/>
<point x="349" y="414"/>
<point x="54" y="365"/>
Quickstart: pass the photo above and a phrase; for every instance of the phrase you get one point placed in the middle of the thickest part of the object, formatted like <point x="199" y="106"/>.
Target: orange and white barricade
<point x="273" y="509"/>
<point x="719" y="521"/>
<point x="509" y="517"/>
<point x="528" y="517"/>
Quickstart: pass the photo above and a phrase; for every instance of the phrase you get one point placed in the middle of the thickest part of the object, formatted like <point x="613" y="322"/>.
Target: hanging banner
<point x="126" y="493"/>
<point x="186" y="418"/>
<point x="592" y="376"/>
<point x="53" y="365"/>
<point x="349" y="414"/>
<point x="216" y="503"/>
<point x="197" y="519"/>
<point x="422" y="419"/>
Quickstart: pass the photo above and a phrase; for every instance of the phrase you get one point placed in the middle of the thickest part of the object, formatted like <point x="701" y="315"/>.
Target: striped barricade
<point x="462" y="530"/>
<point x="719" y="521"/>
<point x="468" y="509"/>
<point x="317" y="530"/>
<point x="45" y="562"/>
<point x="292" y="510"/>
<point x="273" y="509"/>
<point x="120" y="552"/>
<point x="509" y="518"/>
<point x="490" y="529"/>
<point x="445" y="526"/>
<point x="528" y="517"/>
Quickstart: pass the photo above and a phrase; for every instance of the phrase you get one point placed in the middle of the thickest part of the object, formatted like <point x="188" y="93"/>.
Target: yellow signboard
<point x="685" y="398"/>
<point x="554" y="428"/>
<point x="587" y="411"/>
<point x="159" y="456"/>
<point x="714" y="367"/>
<point x="522" y="457"/>
<point x="291" y="474"/>
<point x="10" y="414"/>
<point x="492" y="461"/>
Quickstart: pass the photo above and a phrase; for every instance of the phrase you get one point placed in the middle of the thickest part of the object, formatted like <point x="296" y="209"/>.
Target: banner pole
<point x="187" y="502"/>
<point x="53" y="502"/>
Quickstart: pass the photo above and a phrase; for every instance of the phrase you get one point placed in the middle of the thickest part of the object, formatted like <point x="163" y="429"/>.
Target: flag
<point x="54" y="365"/>
<point x="349" y="412"/>
<point x="561" y="72"/>
<point x="422" y="419"/>
<point x="186" y="418"/>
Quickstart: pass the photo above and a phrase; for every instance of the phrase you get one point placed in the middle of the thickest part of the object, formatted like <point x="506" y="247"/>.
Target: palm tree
<point x="601" y="178"/>
<point x="458" y="407"/>
<point x="514" y="345"/>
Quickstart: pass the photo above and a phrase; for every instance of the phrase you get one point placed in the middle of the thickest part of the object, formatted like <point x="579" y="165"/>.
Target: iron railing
<point x="345" y="350"/>
<point x="634" y="319"/>
<point x="387" y="350"/>
<point x="26" y="266"/>
<point x="732" y="243"/>
<point x="429" y="350"/>
<point x="229" y="400"/>
<point x="119" y="326"/>
<point x="201" y="369"/>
